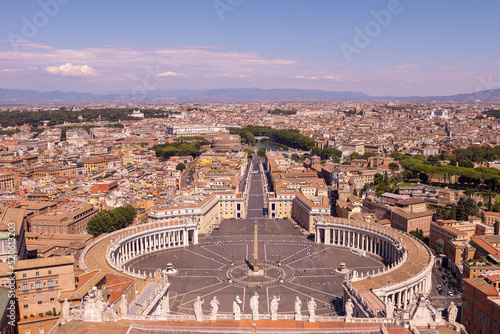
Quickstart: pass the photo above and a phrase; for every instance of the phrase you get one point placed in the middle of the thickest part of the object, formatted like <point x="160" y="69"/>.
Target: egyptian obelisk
<point x="255" y="250"/>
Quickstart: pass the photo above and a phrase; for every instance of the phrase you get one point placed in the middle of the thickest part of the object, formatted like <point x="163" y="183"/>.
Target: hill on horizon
<point x="25" y="96"/>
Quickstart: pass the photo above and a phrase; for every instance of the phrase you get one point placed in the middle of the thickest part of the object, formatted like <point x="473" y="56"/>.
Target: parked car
<point x="450" y="293"/>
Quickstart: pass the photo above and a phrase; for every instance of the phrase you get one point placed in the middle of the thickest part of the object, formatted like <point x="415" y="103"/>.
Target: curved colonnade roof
<point x="416" y="262"/>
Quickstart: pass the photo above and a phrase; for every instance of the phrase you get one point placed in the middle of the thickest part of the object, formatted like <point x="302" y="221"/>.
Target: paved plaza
<point x="292" y="264"/>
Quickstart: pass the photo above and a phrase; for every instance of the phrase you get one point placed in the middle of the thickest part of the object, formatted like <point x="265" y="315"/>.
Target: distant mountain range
<point x="22" y="96"/>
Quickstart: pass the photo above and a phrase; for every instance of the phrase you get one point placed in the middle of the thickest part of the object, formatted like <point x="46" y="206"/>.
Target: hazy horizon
<point x="380" y="48"/>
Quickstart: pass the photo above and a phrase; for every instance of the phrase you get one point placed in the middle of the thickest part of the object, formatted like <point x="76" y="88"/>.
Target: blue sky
<point x="390" y="47"/>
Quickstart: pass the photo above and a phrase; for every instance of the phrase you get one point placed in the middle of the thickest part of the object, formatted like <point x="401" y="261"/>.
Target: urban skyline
<point x="392" y="48"/>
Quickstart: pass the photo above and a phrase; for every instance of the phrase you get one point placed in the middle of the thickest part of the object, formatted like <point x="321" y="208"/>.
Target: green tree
<point x="418" y="233"/>
<point x="261" y="152"/>
<point x="408" y="174"/>
<point x="378" y="178"/>
<point x="393" y="167"/>
<point x="368" y="155"/>
<point x="466" y="163"/>
<point x="439" y="246"/>
<point x="180" y="166"/>
<point x="106" y="221"/>
<point x="433" y="160"/>
<point x="466" y="207"/>
<point x="356" y="155"/>
<point x="326" y="153"/>
<point x="397" y="156"/>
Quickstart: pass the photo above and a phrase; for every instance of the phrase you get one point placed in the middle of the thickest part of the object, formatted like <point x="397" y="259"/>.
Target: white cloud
<point x="300" y="77"/>
<point x="71" y="70"/>
<point x="171" y="74"/>
<point x="332" y="77"/>
<point x="227" y="75"/>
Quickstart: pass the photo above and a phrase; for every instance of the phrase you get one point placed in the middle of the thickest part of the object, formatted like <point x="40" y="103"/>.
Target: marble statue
<point x="311" y="306"/>
<point x="111" y="313"/>
<point x="214" y="308"/>
<point x="65" y="309"/>
<point x="164" y="306"/>
<point x="389" y="309"/>
<point x="93" y="308"/>
<point x="297" y="307"/>
<point x="237" y="308"/>
<point x="274" y="307"/>
<point x="452" y="312"/>
<point x="349" y="309"/>
<point x="254" y="305"/>
<point x="198" y="312"/>
<point x="123" y="306"/>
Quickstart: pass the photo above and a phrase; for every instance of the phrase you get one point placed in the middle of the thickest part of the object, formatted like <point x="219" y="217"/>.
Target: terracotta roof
<point x="485" y="245"/>
<point x="84" y="284"/>
<point x="408" y="215"/>
<point x="45" y="262"/>
<point x="418" y="258"/>
<point x="8" y="215"/>
<point x="482" y="285"/>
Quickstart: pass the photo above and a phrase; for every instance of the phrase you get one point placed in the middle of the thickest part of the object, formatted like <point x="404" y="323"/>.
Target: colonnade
<point x="358" y="239"/>
<point x="403" y="297"/>
<point x="150" y="241"/>
<point x="385" y="243"/>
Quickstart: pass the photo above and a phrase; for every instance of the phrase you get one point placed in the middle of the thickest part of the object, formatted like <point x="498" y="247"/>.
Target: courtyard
<point x="290" y="265"/>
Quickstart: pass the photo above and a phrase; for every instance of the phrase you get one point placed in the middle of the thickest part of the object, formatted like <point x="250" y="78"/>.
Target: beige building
<point x="39" y="284"/>
<point x="12" y="234"/>
<point x="492" y="218"/>
<point x="206" y="211"/>
<point x="69" y="218"/>
<point x="305" y="212"/>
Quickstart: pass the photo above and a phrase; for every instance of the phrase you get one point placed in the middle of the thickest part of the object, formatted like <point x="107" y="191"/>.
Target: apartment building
<point x="68" y="218"/>
<point x="481" y="304"/>
<point x="39" y="284"/>
<point x="12" y="234"/>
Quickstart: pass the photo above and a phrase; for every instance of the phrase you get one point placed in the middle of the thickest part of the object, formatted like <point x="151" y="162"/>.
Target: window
<point x="27" y="332"/>
<point x="39" y="302"/>
<point x="50" y="272"/>
<point x="51" y="283"/>
<point x="37" y="274"/>
<point x="487" y="320"/>
<point x="25" y="306"/>
<point x="41" y="330"/>
<point x="24" y="275"/>
<point x="52" y="299"/>
<point x="495" y="324"/>
<point x="475" y="311"/>
<point x="25" y="286"/>
<point x="38" y="284"/>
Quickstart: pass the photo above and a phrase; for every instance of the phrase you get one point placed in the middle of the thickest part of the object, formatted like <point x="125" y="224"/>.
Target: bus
<point x="358" y="252"/>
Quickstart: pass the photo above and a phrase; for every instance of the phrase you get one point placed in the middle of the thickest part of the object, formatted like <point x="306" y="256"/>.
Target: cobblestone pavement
<point x="205" y="269"/>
